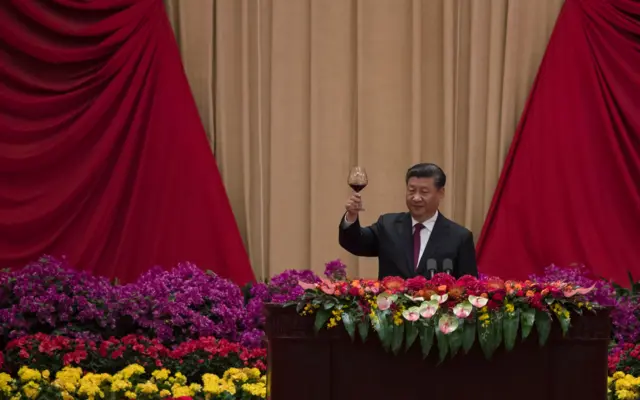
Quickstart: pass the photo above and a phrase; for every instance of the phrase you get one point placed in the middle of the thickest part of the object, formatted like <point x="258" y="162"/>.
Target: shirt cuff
<point x="346" y="223"/>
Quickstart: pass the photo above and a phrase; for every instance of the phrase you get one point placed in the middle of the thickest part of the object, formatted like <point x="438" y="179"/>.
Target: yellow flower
<point x="46" y="374"/>
<point x="332" y="323"/>
<point x="147" y="388"/>
<point x="617" y="375"/>
<point x="483" y="317"/>
<point x="131" y="370"/>
<point x="195" y="388"/>
<point x="165" y="393"/>
<point x="181" y="391"/>
<point x="67" y="396"/>
<point x="509" y="308"/>
<point x="6" y="383"/>
<point x="31" y="390"/>
<point x="27" y="374"/>
<point x="180" y="378"/>
<point x="119" y="385"/>
<point x="130" y="395"/>
<point x="255" y="389"/>
<point x="161" y="374"/>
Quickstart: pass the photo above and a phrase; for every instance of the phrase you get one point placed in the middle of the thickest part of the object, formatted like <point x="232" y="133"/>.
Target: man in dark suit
<point x="403" y="242"/>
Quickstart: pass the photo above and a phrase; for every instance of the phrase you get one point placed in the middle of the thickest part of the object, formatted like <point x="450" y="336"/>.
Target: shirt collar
<point x="428" y="224"/>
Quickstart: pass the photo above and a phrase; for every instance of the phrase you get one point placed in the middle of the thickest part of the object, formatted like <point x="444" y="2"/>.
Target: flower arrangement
<point x="132" y="382"/>
<point x="623" y="386"/>
<point x="47" y="296"/>
<point x="625" y="314"/>
<point x="192" y="358"/>
<point x="453" y="312"/>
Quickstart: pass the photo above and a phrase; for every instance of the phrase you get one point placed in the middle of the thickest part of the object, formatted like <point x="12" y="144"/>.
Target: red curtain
<point x="103" y="157"/>
<point x="570" y="188"/>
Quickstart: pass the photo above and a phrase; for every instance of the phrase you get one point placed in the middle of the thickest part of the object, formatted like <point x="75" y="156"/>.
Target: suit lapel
<point x="405" y="243"/>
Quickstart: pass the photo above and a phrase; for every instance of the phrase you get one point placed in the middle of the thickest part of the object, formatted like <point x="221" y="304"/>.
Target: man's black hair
<point x="427" y="170"/>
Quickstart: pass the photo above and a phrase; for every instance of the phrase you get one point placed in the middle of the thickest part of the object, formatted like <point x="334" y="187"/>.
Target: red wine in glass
<point x="358" y="179"/>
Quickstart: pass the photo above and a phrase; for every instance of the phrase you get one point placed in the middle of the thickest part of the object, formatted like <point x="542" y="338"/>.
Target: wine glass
<point x="358" y="180"/>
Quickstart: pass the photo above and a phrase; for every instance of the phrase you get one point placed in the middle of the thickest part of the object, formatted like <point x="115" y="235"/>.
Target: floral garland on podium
<point x="454" y="312"/>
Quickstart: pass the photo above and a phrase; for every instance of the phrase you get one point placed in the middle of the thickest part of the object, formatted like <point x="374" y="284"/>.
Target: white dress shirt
<point x="425" y="233"/>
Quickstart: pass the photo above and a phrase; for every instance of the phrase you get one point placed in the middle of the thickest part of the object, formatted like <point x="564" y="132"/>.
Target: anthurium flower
<point x="571" y="293"/>
<point x="414" y="298"/>
<point x="463" y="310"/>
<point x="411" y="314"/>
<point x="448" y="324"/>
<point x="327" y="286"/>
<point x="307" y="286"/>
<point x="440" y="298"/>
<point x="384" y="302"/>
<point x="478" y="301"/>
<point x="429" y="308"/>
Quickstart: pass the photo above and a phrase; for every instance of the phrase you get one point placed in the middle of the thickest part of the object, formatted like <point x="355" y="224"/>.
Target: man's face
<point x="423" y="197"/>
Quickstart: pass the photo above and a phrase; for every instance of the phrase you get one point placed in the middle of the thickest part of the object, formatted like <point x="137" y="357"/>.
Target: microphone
<point x="447" y="266"/>
<point x="432" y="266"/>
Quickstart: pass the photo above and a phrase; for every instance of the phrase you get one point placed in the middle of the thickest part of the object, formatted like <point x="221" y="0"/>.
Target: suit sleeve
<point x="467" y="257"/>
<point x="359" y="241"/>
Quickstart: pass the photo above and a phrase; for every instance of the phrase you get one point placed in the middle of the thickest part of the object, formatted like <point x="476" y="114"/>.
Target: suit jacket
<point x="390" y="239"/>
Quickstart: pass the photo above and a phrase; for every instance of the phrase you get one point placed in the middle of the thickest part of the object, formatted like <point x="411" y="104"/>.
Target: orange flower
<point x="425" y="293"/>
<point x="494" y="284"/>
<point x="529" y="293"/>
<point x="456" y="291"/>
<point x="393" y="284"/>
<point x="544" y="292"/>
<point x="442" y="289"/>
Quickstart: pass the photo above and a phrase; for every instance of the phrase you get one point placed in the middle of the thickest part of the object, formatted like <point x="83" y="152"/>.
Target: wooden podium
<point x="329" y="366"/>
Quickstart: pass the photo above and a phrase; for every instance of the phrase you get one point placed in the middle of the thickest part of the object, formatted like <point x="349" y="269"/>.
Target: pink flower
<point x="448" y="324"/>
<point x="384" y="302"/>
<point x="411" y="314"/>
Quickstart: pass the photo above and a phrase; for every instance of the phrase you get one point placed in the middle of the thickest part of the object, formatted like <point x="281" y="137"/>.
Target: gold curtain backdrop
<point x="292" y="93"/>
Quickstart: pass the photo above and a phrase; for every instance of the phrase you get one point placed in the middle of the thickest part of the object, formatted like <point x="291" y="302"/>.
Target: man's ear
<point x="441" y="192"/>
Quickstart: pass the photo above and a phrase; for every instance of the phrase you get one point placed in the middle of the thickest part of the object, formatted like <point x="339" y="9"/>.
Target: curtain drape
<point x="570" y="191"/>
<point x="293" y="93"/>
<point x="103" y="157"/>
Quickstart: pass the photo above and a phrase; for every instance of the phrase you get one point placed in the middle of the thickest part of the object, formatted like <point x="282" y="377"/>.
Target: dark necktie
<point x="417" y="228"/>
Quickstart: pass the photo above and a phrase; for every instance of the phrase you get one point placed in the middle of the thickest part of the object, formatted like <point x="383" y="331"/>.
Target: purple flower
<point x="47" y="295"/>
<point x="335" y="270"/>
<point x="183" y="303"/>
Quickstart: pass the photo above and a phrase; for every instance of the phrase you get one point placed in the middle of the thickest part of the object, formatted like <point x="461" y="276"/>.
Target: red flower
<point x="416" y="283"/>
<point x="498" y="297"/>
<point x="75" y="357"/>
<point x="442" y="279"/>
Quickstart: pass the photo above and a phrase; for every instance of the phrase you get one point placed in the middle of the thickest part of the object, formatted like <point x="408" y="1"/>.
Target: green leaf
<point x="486" y="338"/>
<point x="510" y="331"/>
<point x="564" y="324"/>
<point x="322" y="316"/>
<point x="411" y="334"/>
<point x="543" y="326"/>
<point x="527" y="319"/>
<point x="328" y="305"/>
<point x="398" y="338"/>
<point x="300" y="306"/>
<point x="455" y="340"/>
<point x="443" y="345"/>
<point x="363" y="329"/>
<point x="426" y="339"/>
<point x="468" y="336"/>
<point x="349" y="325"/>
